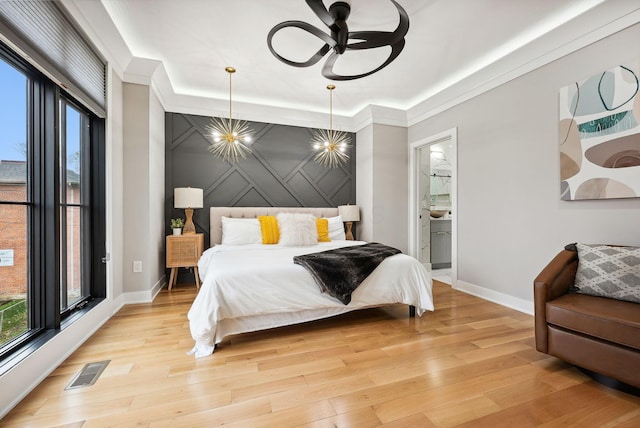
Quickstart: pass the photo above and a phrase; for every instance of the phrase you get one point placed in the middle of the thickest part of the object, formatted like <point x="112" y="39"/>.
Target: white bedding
<point x="254" y="287"/>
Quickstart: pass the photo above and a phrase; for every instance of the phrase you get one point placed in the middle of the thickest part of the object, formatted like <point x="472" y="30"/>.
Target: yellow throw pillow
<point x="269" y="229"/>
<point x="323" y="229"/>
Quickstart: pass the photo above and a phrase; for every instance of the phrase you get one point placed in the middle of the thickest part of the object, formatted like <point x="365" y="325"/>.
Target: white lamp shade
<point x="349" y="212"/>
<point x="187" y="197"/>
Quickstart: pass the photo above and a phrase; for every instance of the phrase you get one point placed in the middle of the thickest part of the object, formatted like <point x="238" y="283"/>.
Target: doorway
<point x="433" y="204"/>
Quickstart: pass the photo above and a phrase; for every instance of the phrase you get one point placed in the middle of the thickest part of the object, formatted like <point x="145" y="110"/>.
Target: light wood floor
<point x="469" y="363"/>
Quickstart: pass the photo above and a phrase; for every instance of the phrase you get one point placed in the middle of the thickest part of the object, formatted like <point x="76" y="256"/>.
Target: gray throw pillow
<point x="608" y="271"/>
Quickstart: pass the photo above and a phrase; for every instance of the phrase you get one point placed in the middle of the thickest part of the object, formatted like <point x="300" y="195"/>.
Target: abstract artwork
<point x="599" y="136"/>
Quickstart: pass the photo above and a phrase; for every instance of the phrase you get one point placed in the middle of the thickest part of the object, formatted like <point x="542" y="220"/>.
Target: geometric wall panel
<point x="279" y="172"/>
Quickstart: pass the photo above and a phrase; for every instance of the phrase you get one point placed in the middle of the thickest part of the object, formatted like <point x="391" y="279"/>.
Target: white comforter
<point x="253" y="287"/>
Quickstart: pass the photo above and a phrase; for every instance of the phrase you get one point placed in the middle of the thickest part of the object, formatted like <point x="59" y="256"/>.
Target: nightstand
<point x="184" y="251"/>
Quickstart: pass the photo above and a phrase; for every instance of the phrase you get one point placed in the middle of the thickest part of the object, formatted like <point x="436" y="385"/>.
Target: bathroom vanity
<point x="440" y="243"/>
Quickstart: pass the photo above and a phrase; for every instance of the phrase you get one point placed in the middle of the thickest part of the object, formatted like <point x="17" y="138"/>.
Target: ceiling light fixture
<point x="332" y="145"/>
<point x="230" y="138"/>
<point x="335" y="18"/>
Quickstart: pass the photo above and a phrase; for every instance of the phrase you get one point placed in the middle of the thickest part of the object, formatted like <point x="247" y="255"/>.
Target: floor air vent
<point x="88" y="375"/>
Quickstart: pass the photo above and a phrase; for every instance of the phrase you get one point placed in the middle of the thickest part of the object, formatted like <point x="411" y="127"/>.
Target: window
<point x="74" y="145"/>
<point x="15" y="207"/>
<point x="52" y="227"/>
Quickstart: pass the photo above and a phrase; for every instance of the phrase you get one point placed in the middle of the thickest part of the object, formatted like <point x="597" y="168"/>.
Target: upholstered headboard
<point x="216" y="214"/>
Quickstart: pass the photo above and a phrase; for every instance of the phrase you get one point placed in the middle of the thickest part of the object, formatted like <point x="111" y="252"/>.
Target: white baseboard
<point x="145" y="296"/>
<point x="516" y="303"/>
<point x="117" y="304"/>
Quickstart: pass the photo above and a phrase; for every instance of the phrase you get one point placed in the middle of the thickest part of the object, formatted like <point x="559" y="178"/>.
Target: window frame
<point x="44" y="204"/>
<point x="83" y="205"/>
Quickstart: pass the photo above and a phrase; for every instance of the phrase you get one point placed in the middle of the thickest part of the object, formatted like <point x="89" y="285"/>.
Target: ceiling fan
<point x="341" y="39"/>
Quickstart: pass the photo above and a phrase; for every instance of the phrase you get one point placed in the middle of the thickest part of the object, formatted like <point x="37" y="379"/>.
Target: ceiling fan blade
<point x="376" y="39"/>
<point x="327" y="68"/>
<point x="321" y="12"/>
<point x="329" y="42"/>
<point x="403" y="26"/>
<point x="368" y="39"/>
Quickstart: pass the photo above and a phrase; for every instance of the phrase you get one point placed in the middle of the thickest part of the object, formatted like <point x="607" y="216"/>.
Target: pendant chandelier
<point x="331" y="145"/>
<point x="230" y="138"/>
<point x="341" y="40"/>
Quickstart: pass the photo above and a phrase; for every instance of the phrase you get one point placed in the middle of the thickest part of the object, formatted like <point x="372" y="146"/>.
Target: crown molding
<point x="601" y="21"/>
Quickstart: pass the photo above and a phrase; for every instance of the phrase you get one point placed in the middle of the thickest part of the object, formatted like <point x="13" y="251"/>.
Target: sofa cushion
<point x="608" y="271"/>
<point x="608" y="319"/>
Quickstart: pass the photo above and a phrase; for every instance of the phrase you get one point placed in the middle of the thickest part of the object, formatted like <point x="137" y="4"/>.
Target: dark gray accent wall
<point x="280" y="171"/>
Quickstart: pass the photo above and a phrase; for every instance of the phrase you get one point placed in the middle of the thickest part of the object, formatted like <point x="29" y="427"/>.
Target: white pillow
<point x="240" y="231"/>
<point x="336" y="228"/>
<point x="297" y="229"/>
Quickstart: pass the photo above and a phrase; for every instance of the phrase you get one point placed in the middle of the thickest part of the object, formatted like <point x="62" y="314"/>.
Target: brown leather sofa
<point x="595" y="333"/>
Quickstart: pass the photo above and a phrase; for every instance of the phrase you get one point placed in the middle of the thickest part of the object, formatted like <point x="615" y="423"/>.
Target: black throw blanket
<point x="340" y="271"/>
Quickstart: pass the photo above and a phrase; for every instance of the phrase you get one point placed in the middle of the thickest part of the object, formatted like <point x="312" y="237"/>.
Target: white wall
<point x="511" y="221"/>
<point x="381" y="184"/>
<point x="364" y="183"/>
<point x="143" y="192"/>
<point x="157" y="191"/>
<point x="136" y="191"/>
<point x="114" y="190"/>
<point x="390" y="186"/>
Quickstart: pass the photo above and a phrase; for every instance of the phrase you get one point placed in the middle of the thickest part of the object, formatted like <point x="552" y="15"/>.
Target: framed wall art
<point x="599" y="135"/>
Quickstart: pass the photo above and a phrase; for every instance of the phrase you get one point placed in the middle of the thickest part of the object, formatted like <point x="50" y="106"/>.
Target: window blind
<point x="53" y="43"/>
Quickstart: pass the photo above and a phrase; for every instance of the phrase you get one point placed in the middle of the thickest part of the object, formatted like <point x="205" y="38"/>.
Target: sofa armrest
<point x="553" y="281"/>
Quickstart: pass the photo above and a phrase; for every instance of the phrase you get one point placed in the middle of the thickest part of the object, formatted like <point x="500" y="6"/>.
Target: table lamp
<point x="349" y="214"/>
<point x="187" y="198"/>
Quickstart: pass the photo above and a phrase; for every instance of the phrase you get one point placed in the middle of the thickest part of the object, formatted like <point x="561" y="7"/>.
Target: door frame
<point x="414" y="197"/>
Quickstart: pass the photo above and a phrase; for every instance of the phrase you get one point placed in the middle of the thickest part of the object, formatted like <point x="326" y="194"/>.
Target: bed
<point x="254" y="286"/>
